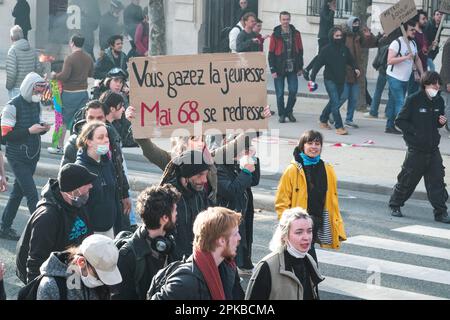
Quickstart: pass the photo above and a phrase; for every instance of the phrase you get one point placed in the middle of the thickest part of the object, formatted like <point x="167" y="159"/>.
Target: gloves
<point x="312" y="86"/>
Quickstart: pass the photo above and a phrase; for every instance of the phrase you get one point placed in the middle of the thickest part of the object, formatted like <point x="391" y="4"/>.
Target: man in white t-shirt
<point x="234" y="34"/>
<point x="401" y="63"/>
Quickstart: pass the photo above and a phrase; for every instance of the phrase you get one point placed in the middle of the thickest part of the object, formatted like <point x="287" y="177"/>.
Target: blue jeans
<point x="334" y="92"/>
<point x="292" y="81"/>
<point x="71" y="103"/>
<point x="413" y="85"/>
<point x="350" y="93"/>
<point x="23" y="186"/>
<point x="381" y="84"/>
<point x="431" y="66"/>
<point x="397" y="93"/>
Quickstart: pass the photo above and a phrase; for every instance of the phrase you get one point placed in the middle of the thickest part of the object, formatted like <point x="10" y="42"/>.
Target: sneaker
<point x="444" y="218"/>
<point x="57" y="150"/>
<point x="324" y="125"/>
<point x="396" y="212"/>
<point x="9" y="234"/>
<point x="392" y="131"/>
<point x="351" y="124"/>
<point x="368" y="115"/>
<point x="341" y="132"/>
<point x="291" y="117"/>
<point x="281" y="119"/>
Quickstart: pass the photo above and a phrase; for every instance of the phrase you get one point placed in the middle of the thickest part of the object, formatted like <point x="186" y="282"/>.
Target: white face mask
<point x="102" y="149"/>
<point x="36" y="98"/>
<point x="90" y="281"/>
<point x="293" y="251"/>
<point x="432" y="92"/>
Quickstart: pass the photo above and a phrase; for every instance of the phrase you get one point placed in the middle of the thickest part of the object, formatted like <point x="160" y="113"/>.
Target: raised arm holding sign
<point x="444" y="9"/>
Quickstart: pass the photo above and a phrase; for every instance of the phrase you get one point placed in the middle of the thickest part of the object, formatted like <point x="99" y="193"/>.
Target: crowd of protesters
<point x="82" y="241"/>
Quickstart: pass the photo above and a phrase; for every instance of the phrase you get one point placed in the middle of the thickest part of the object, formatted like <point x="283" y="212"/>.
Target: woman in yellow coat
<point x="311" y="184"/>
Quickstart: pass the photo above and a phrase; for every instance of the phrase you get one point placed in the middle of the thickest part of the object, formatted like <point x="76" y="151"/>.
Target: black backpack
<point x="29" y="291"/>
<point x="123" y="241"/>
<point x="380" y="61"/>
<point x="160" y="278"/>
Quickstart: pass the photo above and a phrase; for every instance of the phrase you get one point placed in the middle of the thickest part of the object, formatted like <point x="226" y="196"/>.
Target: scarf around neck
<point x="308" y="161"/>
<point x="206" y="264"/>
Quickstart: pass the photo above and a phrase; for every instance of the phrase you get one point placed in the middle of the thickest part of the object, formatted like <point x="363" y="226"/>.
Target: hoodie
<point x="56" y="266"/>
<point x="103" y="206"/>
<point x="108" y="62"/>
<point x="335" y="58"/>
<point x="54" y="226"/>
<point x="20" y="61"/>
<point x="18" y="116"/>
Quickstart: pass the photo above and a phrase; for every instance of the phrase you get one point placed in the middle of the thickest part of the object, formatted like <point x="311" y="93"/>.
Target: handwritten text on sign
<point x="220" y="91"/>
<point x="399" y="13"/>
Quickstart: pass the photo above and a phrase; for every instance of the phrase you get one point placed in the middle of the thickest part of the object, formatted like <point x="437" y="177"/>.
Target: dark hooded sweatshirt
<point x="54" y="226"/>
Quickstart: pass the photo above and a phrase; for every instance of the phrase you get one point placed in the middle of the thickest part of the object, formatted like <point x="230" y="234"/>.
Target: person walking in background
<point x="311" y="184"/>
<point x="247" y="40"/>
<point x="401" y="63"/>
<point x="326" y="24"/>
<point x="422" y="49"/>
<point x="22" y="129"/>
<point x="286" y="63"/>
<point x="420" y="119"/>
<point x="335" y="57"/>
<point x="109" y="25"/>
<point x="132" y="16"/>
<point x="20" y="61"/>
<point x="257" y="29"/>
<point x="112" y="58"/>
<point x="141" y="36"/>
<point x="77" y="68"/>
<point x="289" y="272"/>
<point x="431" y="30"/>
<point x="90" y="13"/>
<point x="21" y="13"/>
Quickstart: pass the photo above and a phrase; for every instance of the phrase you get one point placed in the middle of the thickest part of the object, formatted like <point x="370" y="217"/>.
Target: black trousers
<point x="418" y="165"/>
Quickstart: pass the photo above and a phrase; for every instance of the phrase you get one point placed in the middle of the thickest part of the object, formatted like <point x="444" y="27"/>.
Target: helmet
<point x="117" y="73"/>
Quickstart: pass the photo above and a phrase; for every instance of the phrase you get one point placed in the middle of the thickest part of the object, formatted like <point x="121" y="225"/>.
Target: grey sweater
<point x="21" y="60"/>
<point x="54" y="266"/>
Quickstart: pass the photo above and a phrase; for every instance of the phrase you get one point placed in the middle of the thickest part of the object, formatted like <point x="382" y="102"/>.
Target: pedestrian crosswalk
<point x="386" y="264"/>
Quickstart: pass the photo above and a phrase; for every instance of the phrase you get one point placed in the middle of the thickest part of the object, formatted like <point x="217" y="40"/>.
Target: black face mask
<point x="355" y="29"/>
<point x="338" y="42"/>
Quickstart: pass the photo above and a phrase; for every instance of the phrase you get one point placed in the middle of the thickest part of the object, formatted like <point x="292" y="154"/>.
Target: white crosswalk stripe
<point x="361" y="290"/>
<point x="400" y="246"/>
<point x="426" y="231"/>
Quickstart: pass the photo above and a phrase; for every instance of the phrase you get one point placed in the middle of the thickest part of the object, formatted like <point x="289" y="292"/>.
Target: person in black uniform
<point x="420" y="118"/>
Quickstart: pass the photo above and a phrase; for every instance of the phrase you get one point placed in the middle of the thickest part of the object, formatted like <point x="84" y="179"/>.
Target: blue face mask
<point x="308" y="161"/>
<point x="102" y="149"/>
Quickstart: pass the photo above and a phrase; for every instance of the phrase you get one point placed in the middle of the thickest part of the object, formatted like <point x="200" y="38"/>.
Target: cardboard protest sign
<point x="445" y="7"/>
<point x="399" y="13"/>
<point x="177" y="95"/>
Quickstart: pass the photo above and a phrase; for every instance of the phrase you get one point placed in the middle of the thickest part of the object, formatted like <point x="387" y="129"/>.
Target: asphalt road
<point x="369" y="266"/>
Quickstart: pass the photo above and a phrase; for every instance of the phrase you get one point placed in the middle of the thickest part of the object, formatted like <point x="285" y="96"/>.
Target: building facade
<point x="192" y="26"/>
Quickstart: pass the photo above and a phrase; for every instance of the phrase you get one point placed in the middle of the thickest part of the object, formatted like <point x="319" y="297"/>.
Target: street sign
<point x="194" y="94"/>
<point x="399" y="13"/>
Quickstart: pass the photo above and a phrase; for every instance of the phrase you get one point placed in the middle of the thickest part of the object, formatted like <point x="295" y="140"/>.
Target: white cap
<point x="102" y="255"/>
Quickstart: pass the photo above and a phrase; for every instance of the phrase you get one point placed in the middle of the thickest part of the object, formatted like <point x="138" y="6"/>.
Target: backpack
<point x="399" y="50"/>
<point x="160" y="278"/>
<point x="380" y="61"/>
<point x="123" y="241"/>
<point x="224" y="45"/>
<point x="29" y="291"/>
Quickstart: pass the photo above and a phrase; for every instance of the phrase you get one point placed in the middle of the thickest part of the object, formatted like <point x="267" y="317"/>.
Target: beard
<point x="195" y="187"/>
<point x="169" y="227"/>
<point x="228" y="254"/>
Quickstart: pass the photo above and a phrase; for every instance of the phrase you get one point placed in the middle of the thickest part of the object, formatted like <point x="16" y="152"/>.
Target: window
<point x="344" y="8"/>
<point x="431" y="5"/>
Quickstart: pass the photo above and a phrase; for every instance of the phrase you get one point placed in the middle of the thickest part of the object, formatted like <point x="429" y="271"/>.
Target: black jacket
<point x="278" y="52"/>
<point x="137" y="250"/>
<point x="326" y="22"/>
<point x="21" y="13"/>
<point x="103" y="206"/>
<point x="107" y="62"/>
<point x="244" y="42"/>
<point x="335" y="58"/>
<point x="418" y="120"/>
<point x="430" y="33"/>
<point x="188" y="283"/>
<point x="54" y="226"/>
<point x="189" y="206"/>
<point x="234" y="186"/>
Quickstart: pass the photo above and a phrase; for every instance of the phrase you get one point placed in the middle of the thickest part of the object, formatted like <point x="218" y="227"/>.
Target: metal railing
<point x="344" y="8"/>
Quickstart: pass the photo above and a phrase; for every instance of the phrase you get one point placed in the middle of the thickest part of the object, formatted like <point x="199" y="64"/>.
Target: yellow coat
<point x="292" y="192"/>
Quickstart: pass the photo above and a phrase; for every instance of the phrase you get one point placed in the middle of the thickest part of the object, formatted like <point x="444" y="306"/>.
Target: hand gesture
<point x="3" y="184"/>
<point x="130" y="113"/>
<point x="267" y="113"/>
<point x="442" y="120"/>
<point x="38" y="128"/>
<point x="358" y="73"/>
